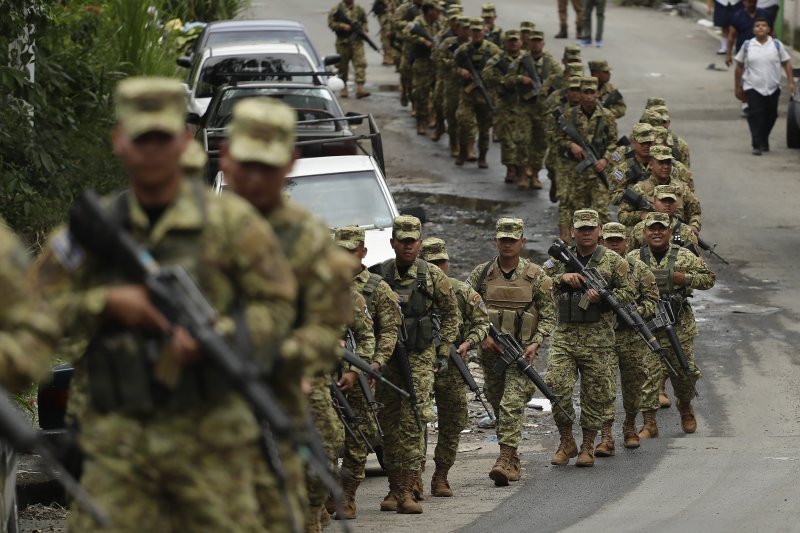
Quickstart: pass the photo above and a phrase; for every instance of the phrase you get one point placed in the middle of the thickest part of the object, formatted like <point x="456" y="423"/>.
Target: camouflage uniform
<point x="441" y="70"/>
<point x="577" y="5"/>
<point x="350" y="46"/>
<point x="451" y="83"/>
<point x="521" y="305"/>
<point x="383" y="10"/>
<point x="402" y="17"/>
<point x="657" y="117"/>
<point x="599" y="130"/>
<point x="423" y="68"/>
<point x="546" y="65"/>
<point x="604" y="90"/>
<point x="423" y="287"/>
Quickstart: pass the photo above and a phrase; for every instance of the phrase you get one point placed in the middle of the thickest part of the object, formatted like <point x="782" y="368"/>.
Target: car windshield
<point x="311" y="103"/>
<point x="343" y="199"/>
<point x="262" y="67"/>
<point x="240" y="36"/>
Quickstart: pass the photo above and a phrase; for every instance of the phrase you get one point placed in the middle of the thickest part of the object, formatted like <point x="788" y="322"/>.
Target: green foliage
<point x="205" y="10"/>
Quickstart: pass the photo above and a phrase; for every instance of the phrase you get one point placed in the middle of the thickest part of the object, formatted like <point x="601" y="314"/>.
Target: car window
<point x="221" y="38"/>
<point x="343" y="199"/>
<point x="263" y="67"/>
<point x="298" y="98"/>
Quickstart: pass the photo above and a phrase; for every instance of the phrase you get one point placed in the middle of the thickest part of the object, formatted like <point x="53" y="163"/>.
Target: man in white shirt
<point x="758" y="81"/>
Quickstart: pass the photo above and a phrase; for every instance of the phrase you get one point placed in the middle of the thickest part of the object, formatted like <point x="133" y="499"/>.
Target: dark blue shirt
<point x="743" y="22"/>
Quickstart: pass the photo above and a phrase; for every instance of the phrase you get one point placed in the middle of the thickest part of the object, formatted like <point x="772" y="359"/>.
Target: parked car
<point x="312" y="102"/>
<point x="231" y="32"/>
<point x="221" y="65"/>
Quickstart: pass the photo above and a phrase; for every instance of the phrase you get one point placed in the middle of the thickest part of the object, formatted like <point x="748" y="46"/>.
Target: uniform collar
<point x="182" y="214"/>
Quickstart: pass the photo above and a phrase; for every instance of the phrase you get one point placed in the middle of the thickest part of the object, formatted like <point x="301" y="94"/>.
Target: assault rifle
<point x="374" y="406"/>
<point x="464" y="61"/>
<point x="459" y="363"/>
<point x="614" y="98"/>
<point x="511" y="354"/>
<point x="356" y="31"/>
<point x="529" y="65"/>
<point x="419" y="31"/>
<point x="665" y="318"/>
<point x="710" y="249"/>
<point x="354" y="360"/>
<point x="590" y="157"/>
<point x="346" y="414"/>
<point x="178" y="298"/>
<point x="25" y="439"/>
<point x="401" y="356"/>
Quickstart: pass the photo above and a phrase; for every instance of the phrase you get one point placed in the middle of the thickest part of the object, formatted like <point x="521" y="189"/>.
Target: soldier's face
<point x="661" y="168"/>
<point x="642" y="149"/>
<point x="510" y="248"/>
<point x="406" y="250"/>
<point x="537" y="46"/>
<point x="657" y="236"/>
<point x="477" y="36"/>
<point x="616" y="245"/>
<point x="259" y="184"/>
<point x="443" y="264"/>
<point x="601" y="75"/>
<point x="574" y="96"/>
<point x="526" y="39"/>
<point x="665" y="205"/>
<point x="586" y="236"/>
<point x="513" y="46"/>
<point x="589" y="99"/>
<point x="152" y="159"/>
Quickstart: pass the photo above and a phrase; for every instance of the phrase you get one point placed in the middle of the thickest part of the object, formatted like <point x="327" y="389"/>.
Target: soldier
<point x="631" y="163"/>
<point x="678" y="272"/>
<point x="349" y="44"/>
<point x="257" y="160"/>
<point x="492" y="32"/>
<point x="448" y="34"/>
<point x="556" y="81"/>
<point x="449" y="388"/>
<point x="657" y="119"/>
<point x="577" y="5"/>
<point x="403" y="15"/>
<point x="598" y="129"/>
<point x="688" y="208"/>
<point x="451" y="81"/>
<point x="616" y="104"/>
<point x="632" y="354"/>
<point x="677" y="141"/>
<point x="144" y="435"/>
<point x="422" y="288"/>
<point x="382" y="305"/>
<point x="473" y="111"/>
<point x="193" y="160"/>
<point x="383" y="10"/>
<point x="665" y="200"/>
<point x="421" y="34"/>
<point x="583" y="339"/>
<point x="518" y="295"/>
<point x="679" y="170"/>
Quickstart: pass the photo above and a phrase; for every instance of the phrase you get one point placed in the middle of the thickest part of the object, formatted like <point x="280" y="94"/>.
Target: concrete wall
<point x="791" y="23"/>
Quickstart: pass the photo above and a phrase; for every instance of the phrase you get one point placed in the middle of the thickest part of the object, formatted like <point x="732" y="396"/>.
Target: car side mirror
<point x="331" y="60"/>
<point x="415" y="211"/>
<point x="355" y="121"/>
<point x="184" y="62"/>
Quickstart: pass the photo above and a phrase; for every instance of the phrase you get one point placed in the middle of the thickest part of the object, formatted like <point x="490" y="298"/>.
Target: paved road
<point x="738" y="473"/>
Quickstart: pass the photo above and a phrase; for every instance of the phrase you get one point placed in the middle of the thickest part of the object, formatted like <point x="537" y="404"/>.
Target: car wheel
<point x="793" y="124"/>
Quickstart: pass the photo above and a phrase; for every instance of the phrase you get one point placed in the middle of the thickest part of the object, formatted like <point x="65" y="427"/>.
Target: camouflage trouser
<point x="577" y="5"/>
<point x="507" y="392"/>
<point x="595" y="366"/>
<point x="438" y="101"/>
<point x="564" y="169"/>
<point x="451" y="97"/>
<point x="403" y="441"/>
<point x="352" y="51"/>
<point x="355" y="449"/>
<point x="173" y="473"/>
<point x="385" y="22"/>
<point x="330" y="430"/>
<point x="682" y="384"/>
<point x="473" y="115"/>
<point x="404" y="68"/>
<point x="513" y="129"/>
<point x="588" y="192"/>
<point x="451" y="408"/>
<point x="423" y="78"/>
<point x="281" y="505"/>
<point x="631" y="352"/>
<point x="653" y="367"/>
<point x="537" y="145"/>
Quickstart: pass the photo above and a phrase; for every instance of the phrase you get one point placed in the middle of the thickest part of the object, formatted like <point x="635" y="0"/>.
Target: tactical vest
<point x="571" y="301"/>
<point x="599" y="138"/>
<point x="120" y="363"/>
<point x="663" y="275"/>
<point x="416" y="304"/>
<point x="635" y="173"/>
<point x="510" y="302"/>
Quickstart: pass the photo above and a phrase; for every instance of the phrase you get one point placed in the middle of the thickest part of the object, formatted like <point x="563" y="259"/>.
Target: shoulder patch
<point x="618" y="175"/>
<point x="549" y="263"/>
<point x="68" y="252"/>
<point x="616" y="156"/>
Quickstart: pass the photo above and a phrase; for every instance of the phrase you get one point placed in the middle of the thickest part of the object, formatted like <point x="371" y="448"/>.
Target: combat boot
<point x="455" y="149"/>
<point x="562" y="34"/>
<point x="389" y="503"/>
<point x="663" y="399"/>
<point x="388" y="60"/>
<point x="471" y="157"/>
<point x="439" y="131"/>
<point x="361" y="92"/>
<point x="516" y="468"/>
<point x="406" y="504"/>
<point x="343" y="93"/>
<point x="586" y="457"/>
<point x="421" y="127"/>
<point x="348" y="510"/>
<point x="511" y="174"/>
<point x="606" y="446"/>
<point x="650" y="428"/>
<point x="688" y="421"/>
<point x="563" y="233"/>
<point x="440" y="487"/>
<point x="313" y="524"/>
<point x="567" y="449"/>
<point x="501" y="470"/>
<point x="629" y="431"/>
<point x="463" y="149"/>
<point x="535" y="183"/>
<point x="522" y="180"/>
<point x="419" y="488"/>
<point x="482" y="159"/>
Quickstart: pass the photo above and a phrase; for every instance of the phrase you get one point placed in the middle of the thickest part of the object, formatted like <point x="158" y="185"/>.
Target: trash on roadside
<point x="490" y="439"/>
<point x="465" y="431"/>
<point x="541" y="404"/>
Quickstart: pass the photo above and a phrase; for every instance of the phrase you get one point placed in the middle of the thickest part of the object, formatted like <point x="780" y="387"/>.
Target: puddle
<point x="453" y="200"/>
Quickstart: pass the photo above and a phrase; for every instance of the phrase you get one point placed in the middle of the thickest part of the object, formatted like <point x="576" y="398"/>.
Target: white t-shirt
<point x="728" y="2"/>
<point x="762" y="70"/>
<point x="763" y="4"/>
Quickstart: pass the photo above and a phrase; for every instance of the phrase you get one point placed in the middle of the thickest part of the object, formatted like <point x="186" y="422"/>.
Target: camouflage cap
<point x="262" y="130"/>
<point x="614" y="230"/>
<point x="464" y="21"/>
<point x="661" y="152"/>
<point x="537" y="35"/>
<point x="434" y="249"/>
<point x="657" y="218"/>
<point x="599" y="65"/>
<point x="431" y="3"/>
<point x="662" y="109"/>
<point x="654" y="101"/>
<point x="488" y="9"/>
<point x="349" y="237"/>
<point x="572" y="50"/>
<point x="643" y="132"/>
<point x="476" y="23"/>
<point x="575" y="69"/>
<point x="574" y="82"/>
<point x="585" y="218"/>
<point x="662" y="135"/>
<point x="406" y="227"/>
<point x="145" y="104"/>
<point x="666" y="191"/>
<point x="589" y="83"/>
<point x="526" y="25"/>
<point x="454" y="12"/>
<point x="194" y="158"/>
<point x="509" y="228"/>
<point x="651" y="117"/>
<point x="511" y="34"/>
